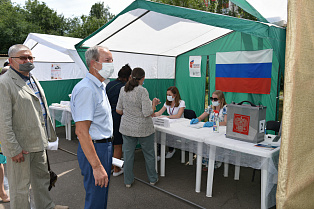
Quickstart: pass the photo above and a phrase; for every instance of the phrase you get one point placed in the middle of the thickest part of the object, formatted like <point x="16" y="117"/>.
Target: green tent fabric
<point x="272" y="11"/>
<point x="249" y="9"/>
<point x="236" y="41"/>
<point x="149" y="29"/>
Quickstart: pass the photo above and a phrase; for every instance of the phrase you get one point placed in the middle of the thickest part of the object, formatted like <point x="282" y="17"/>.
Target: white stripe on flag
<point x="261" y="56"/>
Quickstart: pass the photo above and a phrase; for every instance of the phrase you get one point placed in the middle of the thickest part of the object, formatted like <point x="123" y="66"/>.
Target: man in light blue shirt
<point x="91" y="112"/>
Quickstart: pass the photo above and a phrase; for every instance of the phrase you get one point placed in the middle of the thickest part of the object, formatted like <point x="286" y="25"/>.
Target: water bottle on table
<point x="216" y="122"/>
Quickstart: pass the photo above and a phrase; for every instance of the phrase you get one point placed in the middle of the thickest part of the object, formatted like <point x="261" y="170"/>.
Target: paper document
<point x="117" y="162"/>
<point x="53" y="145"/>
<point x="197" y="126"/>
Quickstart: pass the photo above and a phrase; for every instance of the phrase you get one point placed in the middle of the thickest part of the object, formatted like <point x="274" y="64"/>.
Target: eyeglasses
<point x="24" y="58"/>
<point x="213" y="99"/>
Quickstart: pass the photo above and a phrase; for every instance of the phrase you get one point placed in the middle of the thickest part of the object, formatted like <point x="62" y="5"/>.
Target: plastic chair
<point x="189" y="114"/>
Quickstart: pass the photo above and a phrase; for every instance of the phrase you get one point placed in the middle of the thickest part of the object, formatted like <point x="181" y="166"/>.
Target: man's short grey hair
<point x="93" y="54"/>
<point x="16" y="48"/>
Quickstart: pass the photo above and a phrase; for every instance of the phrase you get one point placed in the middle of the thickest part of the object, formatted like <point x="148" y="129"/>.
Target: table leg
<point x="182" y="150"/>
<point x="52" y="113"/>
<point x="226" y="169"/>
<point x="237" y="167"/>
<point x="226" y="163"/>
<point x="155" y="148"/>
<point x="162" y="153"/>
<point x="198" y="166"/>
<point x="69" y="130"/>
<point x="191" y="158"/>
<point x="210" y="175"/>
<point x="264" y="180"/>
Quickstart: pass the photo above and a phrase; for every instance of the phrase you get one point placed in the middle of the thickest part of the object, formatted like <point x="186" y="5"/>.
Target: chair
<point x="271" y="125"/>
<point x="189" y="114"/>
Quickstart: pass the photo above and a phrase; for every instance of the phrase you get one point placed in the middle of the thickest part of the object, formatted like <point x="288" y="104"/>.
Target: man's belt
<point x="105" y="140"/>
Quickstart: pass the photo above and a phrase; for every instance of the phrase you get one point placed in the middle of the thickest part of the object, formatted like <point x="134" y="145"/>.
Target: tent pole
<point x="278" y="93"/>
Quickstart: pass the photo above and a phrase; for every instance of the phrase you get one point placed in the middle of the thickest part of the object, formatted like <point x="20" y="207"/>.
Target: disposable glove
<point x="194" y="121"/>
<point x="208" y="124"/>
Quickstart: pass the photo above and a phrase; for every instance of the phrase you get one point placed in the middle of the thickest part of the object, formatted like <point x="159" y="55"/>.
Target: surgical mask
<point x="106" y="70"/>
<point x="215" y="103"/>
<point x="26" y="67"/>
<point x="170" y="98"/>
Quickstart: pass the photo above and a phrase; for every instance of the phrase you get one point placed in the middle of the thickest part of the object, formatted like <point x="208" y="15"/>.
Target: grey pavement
<point x="175" y="190"/>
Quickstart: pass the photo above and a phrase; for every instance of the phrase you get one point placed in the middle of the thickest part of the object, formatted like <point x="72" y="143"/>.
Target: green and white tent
<point x="161" y="38"/>
<point x="58" y="66"/>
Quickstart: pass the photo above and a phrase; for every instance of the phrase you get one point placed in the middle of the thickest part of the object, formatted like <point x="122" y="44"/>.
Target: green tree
<point x="47" y="20"/>
<point x="215" y="6"/>
<point x="98" y="16"/>
<point x="17" y="22"/>
<point x="13" y="26"/>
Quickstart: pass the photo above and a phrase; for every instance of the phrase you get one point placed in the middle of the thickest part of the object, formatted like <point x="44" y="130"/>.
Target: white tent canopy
<point x="55" y="52"/>
<point x="155" y="41"/>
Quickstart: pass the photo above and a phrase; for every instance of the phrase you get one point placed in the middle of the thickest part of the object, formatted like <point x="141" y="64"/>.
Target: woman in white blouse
<point x="137" y="125"/>
<point x="175" y="108"/>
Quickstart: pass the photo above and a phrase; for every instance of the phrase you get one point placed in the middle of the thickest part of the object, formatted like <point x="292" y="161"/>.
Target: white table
<point x="185" y="138"/>
<point x="62" y="114"/>
<point x="242" y="153"/>
<point x="215" y="146"/>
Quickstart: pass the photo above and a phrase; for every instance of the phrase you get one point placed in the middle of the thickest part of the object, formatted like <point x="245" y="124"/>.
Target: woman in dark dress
<point x="113" y="90"/>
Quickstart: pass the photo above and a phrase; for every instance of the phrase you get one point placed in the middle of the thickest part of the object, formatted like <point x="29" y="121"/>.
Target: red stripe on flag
<point x="244" y="85"/>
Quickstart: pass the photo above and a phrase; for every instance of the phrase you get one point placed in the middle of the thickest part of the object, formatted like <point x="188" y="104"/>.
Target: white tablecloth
<point x="183" y="136"/>
<point x="64" y="116"/>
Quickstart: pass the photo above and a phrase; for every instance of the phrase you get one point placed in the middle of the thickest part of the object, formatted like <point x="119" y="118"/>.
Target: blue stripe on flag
<point x="246" y="70"/>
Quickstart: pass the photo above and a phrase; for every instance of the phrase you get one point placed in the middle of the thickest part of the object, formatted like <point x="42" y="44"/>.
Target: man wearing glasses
<point x="26" y="128"/>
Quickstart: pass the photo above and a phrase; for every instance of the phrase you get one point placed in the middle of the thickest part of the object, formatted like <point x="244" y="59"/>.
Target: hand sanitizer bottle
<point x="216" y="123"/>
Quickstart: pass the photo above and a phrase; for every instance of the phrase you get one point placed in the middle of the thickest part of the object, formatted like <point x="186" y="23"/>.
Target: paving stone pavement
<point x="175" y="190"/>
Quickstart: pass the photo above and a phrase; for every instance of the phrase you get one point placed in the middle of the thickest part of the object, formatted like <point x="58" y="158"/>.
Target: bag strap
<point x="253" y="105"/>
<point x="48" y="161"/>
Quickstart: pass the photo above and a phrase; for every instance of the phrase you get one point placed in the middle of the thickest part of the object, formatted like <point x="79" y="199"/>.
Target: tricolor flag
<point x="244" y="71"/>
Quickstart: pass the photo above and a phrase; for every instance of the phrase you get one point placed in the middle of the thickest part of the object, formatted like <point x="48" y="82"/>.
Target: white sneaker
<point x="153" y="183"/>
<point x="170" y="154"/>
<point x="217" y="164"/>
<point x="158" y="158"/>
<point x="118" y="173"/>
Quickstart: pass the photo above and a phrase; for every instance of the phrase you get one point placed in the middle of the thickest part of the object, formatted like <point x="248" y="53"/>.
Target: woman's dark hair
<point x="175" y="91"/>
<point x="124" y="73"/>
<point x="136" y="75"/>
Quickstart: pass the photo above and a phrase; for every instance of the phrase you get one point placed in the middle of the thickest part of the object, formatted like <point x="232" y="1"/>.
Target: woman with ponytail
<point x="137" y="125"/>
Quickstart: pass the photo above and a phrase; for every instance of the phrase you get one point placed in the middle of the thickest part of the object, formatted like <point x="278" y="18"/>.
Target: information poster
<point x="55" y="71"/>
<point x="195" y="66"/>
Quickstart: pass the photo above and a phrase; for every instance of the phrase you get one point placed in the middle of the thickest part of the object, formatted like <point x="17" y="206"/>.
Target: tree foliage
<point x="17" y="22"/>
<point x="215" y="6"/>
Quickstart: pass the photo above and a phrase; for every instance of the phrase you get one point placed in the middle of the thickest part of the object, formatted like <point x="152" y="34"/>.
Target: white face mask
<point x="106" y="70"/>
<point x="170" y="98"/>
<point x="215" y="103"/>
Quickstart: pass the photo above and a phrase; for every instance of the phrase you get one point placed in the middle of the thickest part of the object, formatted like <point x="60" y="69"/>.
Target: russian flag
<point x="244" y="71"/>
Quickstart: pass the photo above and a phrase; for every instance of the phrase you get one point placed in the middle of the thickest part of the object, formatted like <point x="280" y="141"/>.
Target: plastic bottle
<point x="216" y="123"/>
